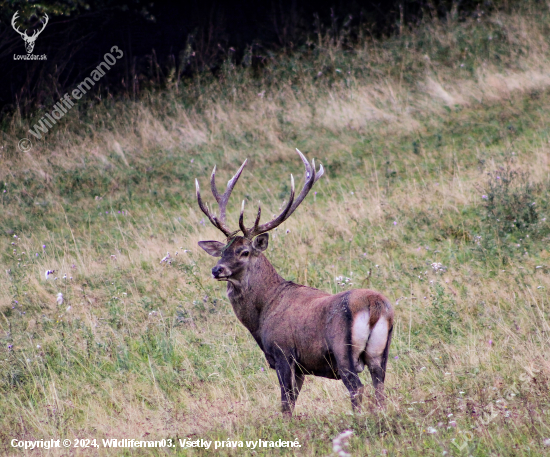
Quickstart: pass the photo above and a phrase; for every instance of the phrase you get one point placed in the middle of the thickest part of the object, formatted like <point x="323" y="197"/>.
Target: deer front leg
<point x="286" y="372"/>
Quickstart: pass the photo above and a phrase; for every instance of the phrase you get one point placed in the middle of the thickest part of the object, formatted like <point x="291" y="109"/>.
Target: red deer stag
<point x="301" y="330"/>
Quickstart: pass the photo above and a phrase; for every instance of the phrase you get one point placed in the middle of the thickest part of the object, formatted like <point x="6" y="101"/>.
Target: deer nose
<point x="219" y="271"/>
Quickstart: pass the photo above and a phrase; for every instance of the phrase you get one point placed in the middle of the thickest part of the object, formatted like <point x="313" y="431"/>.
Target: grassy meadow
<point x="436" y="145"/>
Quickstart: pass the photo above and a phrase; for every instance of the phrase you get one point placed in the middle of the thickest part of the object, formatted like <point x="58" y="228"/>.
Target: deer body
<point x="301" y="330"/>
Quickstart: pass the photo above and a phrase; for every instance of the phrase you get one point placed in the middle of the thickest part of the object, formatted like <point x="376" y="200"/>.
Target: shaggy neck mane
<point x="259" y="288"/>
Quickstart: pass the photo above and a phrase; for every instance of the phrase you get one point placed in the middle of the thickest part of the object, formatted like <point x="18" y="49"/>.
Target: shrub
<point x="509" y="202"/>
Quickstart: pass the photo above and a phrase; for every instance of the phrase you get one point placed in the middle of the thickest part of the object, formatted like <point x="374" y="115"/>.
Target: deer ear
<point x="260" y="242"/>
<point x="214" y="248"/>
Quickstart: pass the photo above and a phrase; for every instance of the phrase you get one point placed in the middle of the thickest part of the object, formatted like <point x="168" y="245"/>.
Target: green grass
<point x="150" y="350"/>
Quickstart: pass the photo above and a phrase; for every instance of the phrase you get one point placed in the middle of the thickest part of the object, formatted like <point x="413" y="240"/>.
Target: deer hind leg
<point x="349" y="376"/>
<point x="377" y="357"/>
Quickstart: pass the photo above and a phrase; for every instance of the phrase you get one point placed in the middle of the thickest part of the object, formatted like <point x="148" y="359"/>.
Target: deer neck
<point x="255" y="292"/>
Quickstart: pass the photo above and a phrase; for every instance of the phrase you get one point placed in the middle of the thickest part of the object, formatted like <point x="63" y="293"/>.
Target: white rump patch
<point x="378" y="338"/>
<point x="359" y="336"/>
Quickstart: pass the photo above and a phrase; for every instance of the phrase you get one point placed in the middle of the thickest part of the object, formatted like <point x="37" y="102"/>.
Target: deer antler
<point x="13" y="19"/>
<point x="311" y="178"/>
<point x="35" y="33"/>
<point x="38" y="32"/>
<point x="221" y="199"/>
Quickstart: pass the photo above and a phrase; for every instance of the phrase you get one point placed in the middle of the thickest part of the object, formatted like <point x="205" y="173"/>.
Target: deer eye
<point x="245" y="254"/>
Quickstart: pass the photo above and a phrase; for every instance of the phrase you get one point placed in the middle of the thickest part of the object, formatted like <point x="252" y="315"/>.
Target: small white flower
<point x="38" y="346"/>
<point x="546" y="442"/>
<point x="68" y="308"/>
<point x="287" y="231"/>
<point x="59" y="298"/>
<point x="165" y="258"/>
<point x="341" y="442"/>
<point x="431" y="430"/>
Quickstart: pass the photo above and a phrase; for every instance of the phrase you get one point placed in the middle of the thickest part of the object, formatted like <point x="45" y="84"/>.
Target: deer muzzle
<point x="220" y="272"/>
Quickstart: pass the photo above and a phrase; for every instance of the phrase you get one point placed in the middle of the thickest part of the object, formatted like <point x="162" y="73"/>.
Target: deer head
<point x="240" y="252"/>
<point x="29" y="40"/>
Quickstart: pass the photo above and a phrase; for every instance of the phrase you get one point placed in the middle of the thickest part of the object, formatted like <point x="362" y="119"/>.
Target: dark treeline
<point x="165" y="41"/>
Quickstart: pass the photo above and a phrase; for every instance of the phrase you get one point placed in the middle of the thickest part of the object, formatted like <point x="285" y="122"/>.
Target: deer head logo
<point x="29" y="40"/>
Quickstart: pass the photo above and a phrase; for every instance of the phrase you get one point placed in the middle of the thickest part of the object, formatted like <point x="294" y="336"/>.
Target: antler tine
<point x="256" y="230"/>
<point x="213" y="186"/>
<point x="215" y="222"/>
<point x="248" y="233"/>
<point x="223" y="199"/>
<point x="320" y="173"/>
<point x="311" y="178"/>
<point x="45" y="23"/>
<point x="38" y="32"/>
<point x="258" y="216"/>
<point x="241" y="222"/>
<point x="306" y="163"/>
<point x="13" y="19"/>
